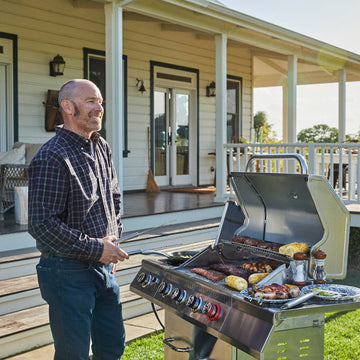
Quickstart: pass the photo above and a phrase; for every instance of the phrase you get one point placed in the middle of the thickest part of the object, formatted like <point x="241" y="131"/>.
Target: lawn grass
<point x="147" y="348"/>
<point x="342" y="334"/>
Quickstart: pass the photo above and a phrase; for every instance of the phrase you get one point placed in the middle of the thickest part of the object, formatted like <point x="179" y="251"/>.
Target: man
<point x="74" y="215"/>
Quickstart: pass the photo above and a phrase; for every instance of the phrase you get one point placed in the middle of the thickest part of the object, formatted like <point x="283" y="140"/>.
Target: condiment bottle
<point x="319" y="273"/>
<point x="299" y="274"/>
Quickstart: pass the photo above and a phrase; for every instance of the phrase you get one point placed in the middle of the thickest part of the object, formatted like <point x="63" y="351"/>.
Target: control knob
<point x="165" y="289"/>
<point x="194" y="302"/>
<point x="144" y="279"/>
<point x="178" y="295"/>
<point x="211" y="310"/>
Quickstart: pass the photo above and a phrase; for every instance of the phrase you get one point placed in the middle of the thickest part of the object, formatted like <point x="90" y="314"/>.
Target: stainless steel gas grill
<point x="277" y="209"/>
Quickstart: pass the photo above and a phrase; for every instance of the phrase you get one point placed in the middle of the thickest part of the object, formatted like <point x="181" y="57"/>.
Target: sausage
<point x="230" y="269"/>
<point x="294" y="291"/>
<point x="208" y="274"/>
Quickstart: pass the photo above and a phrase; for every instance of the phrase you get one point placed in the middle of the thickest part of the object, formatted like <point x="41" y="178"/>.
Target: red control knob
<point x="214" y="312"/>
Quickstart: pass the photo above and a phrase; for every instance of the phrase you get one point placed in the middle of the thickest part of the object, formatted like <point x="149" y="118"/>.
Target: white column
<point x="291" y="94"/>
<point x="342" y="105"/>
<point x="114" y="85"/>
<point x="285" y="113"/>
<point x="221" y="103"/>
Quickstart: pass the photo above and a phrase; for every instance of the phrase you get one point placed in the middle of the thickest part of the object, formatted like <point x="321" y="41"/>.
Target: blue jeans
<point x="84" y="302"/>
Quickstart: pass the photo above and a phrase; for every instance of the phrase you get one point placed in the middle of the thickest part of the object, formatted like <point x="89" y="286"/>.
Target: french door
<point x="174" y="137"/>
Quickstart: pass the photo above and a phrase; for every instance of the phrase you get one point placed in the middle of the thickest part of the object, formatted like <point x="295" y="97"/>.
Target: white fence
<point x="338" y="162"/>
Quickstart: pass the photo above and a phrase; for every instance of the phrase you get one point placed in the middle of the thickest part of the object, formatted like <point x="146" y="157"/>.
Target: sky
<point x="336" y="22"/>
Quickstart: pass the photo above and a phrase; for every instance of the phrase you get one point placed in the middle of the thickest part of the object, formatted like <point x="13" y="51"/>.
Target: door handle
<point x="169" y="137"/>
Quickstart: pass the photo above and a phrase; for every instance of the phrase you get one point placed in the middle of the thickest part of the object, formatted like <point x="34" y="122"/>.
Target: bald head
<point x="70" y="89"/>
<point x="80" y="102"/>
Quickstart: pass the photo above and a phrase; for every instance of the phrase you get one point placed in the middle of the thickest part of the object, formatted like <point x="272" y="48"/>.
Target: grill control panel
<point x="193" y="301"/>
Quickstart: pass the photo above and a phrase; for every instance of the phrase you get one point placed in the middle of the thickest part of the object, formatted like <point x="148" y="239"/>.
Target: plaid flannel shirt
<point x="74" y="197"/>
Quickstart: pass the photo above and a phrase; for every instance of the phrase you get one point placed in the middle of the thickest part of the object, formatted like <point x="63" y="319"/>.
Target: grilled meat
<point x="208" y="274"/>
<point x="230" y="269"/>
<point x="274" y="291"/>
<point x="247" y="240"/>
<point x="257" y="267"/>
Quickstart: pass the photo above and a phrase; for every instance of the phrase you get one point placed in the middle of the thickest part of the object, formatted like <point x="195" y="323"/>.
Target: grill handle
<point x="301" y="160"/>
<point x="168" y="341"/>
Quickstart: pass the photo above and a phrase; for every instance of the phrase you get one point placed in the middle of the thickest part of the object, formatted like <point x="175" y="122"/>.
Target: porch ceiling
<point x="318" y="62"/>
<point x="270" y="67"/>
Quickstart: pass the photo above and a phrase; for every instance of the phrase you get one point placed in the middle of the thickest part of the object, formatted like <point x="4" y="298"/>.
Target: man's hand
<point x="112" y="253"/>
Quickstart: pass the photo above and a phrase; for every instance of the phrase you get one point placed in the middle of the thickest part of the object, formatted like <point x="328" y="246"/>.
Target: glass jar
<point x="299" y="271"/>
<point x="319" y="273"/>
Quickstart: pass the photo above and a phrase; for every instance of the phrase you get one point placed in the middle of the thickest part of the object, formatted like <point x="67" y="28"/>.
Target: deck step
<point x="16" y="329"/>
<point x="24" y="320"/>
<point x="14" y="264"/>
<point x="135" y="328"/>
<point x="19" y="293"/>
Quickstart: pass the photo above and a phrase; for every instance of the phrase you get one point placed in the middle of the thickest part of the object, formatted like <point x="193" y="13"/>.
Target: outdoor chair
<point x="14" y="173"/>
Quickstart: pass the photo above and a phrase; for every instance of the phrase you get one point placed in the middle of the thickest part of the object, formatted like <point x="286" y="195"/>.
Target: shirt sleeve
<point x="48" y="197"/>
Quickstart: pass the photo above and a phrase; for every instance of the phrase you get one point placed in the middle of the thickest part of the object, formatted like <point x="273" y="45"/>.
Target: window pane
<point x="97" y="76"/>
<point x="232" y="118"/>
<point x="160" y="133"/>
<point x="182" y="134"/>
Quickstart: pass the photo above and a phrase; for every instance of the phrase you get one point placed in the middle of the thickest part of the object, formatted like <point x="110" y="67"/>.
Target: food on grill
<point x="258" y="267"/>
<point x="208" y="274"/>
<point x="269" y="246"/>
<point x="294" y="291"/>
<point x="236" y="282"/>
<point x="247" y="240"/>
<point x="294" y="248"/>
<point x="255" y="278"/>
<point x="274" y="291"/>
<point x="230" y="269"/>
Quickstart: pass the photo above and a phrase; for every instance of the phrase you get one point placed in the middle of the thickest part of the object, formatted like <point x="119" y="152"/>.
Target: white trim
<point x="114" y="86"/>
<point x="342" y="105"/>
<point x="188" y="87"/>
<point x="221" y="106"/>
<point x="291" y="90"/>
<point x="172" y="83"/>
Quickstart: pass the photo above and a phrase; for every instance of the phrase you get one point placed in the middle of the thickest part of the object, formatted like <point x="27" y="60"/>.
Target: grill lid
<point x="286" y="208"/>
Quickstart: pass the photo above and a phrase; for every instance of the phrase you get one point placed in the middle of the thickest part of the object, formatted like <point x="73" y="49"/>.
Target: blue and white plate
<point x="344" y="292"/>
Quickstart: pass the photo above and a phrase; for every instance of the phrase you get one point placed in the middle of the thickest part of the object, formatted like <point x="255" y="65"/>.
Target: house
<point x="158" y="64"/>
<point x="177" y="78"/>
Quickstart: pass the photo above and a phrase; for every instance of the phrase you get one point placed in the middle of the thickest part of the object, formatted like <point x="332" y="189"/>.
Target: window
<point x="94" y="70"/>
<point x="234" y="113"/>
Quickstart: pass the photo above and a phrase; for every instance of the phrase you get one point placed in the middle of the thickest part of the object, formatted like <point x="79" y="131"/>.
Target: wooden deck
<point x="138" y="204"/>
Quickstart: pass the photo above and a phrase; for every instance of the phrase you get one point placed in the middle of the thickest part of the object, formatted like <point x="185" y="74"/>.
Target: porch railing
<point x="338" y="162"/>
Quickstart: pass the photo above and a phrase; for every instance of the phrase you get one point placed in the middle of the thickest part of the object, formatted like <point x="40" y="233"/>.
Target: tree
<point x="263" y="130"/>
<point x="319" y="134"/>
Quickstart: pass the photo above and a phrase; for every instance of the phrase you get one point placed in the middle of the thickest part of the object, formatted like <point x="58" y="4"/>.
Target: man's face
<point x="88" y="111"/>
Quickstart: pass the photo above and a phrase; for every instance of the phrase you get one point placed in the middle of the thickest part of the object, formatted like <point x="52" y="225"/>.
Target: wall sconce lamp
<point x="57" y="66"/>
<point x="140" y="85"/>
<point x="211" y="89"/>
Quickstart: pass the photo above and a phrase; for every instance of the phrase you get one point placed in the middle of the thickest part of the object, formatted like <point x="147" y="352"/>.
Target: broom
<point x="151" y="186"/>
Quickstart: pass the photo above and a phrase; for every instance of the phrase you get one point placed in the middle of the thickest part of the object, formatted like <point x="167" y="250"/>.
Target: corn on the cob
<point x="255" y="278"/>
<point x="293" y="248"/>
<point x="236" y="282"/>
<point x="304" y="247"/>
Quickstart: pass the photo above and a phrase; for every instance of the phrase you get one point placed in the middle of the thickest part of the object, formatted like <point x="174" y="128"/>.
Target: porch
<point x="142" y="207"/>
<point x="338" y="162"/>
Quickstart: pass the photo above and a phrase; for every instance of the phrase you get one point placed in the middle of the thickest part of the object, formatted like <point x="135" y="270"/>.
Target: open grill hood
<point x="286" y="208"/>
